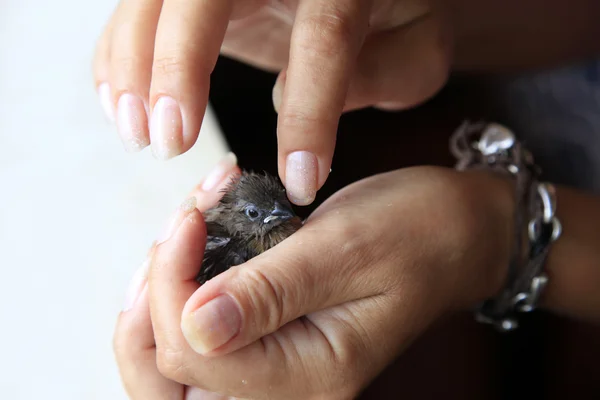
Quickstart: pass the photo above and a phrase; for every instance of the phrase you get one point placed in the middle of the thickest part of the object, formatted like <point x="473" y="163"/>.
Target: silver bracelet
<point x="491" y="146"/>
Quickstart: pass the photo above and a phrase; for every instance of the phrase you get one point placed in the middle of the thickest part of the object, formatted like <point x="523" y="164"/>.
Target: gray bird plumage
<point x="253" y="215"/>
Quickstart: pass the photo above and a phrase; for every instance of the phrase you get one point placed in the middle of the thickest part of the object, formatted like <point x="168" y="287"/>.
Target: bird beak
<point x="280" y="212"/>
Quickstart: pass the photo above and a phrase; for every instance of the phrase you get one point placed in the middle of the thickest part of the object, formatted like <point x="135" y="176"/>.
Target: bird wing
<point x="216" y="235"/>
<point x="221" y="252"/>
<point x="220" y="255"/>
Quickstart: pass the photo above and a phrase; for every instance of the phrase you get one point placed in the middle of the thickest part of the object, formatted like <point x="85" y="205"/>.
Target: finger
<point x="171" y="282"/>
<point x="210" y="189"/>
<point x="193" y="393"/>
<point x="131" y="67"/>
<point x="402" y="68"/>
<point x="188" y="39"/>
<point x="176" y="263"/>
<point x="255" y="299"/>
<point x="178" y="257"/>
<point x="101" y="70"/>
<point x="325" y="41"/>
<point x="134" y="340"/>
<point x="204" y="196"/>
<point x="134" y="348"/>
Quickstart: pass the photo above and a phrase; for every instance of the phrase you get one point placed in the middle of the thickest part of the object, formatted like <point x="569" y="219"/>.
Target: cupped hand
<point x="155" y="57"/>
<point x="323" y="312"/>
<point x="133" y="342"/>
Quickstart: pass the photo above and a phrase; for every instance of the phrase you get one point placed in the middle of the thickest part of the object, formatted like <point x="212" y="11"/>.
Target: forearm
<point x="573" y="264"/>
<point x="497" y="36"/>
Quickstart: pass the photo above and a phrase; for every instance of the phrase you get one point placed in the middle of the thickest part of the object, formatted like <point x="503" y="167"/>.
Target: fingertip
<point x="212" y="325"/>
<point x="305" y="175"/>
<point x="301" y="177"/>
<point x="210" y="189"/>
<point x="132" y="122"/>
<point x="178" y="255"/>
<point x="166" y="128"/>
<point x="218" y="174"/>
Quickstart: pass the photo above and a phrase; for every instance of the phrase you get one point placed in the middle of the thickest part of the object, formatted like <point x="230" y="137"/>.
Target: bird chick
<point x="253" y="215"/>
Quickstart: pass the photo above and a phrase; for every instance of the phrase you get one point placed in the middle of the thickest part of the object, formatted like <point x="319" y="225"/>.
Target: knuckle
<point x="169" y="362"/>
<point x="169" y="65"/>
<point x="350" y="231"/>
<point x="350" y="351"/>
<point x="324" y="34"/>
<point x="128" y="65"/>
<point x="121" y="340"/>
<point x="266" y="298"/>
<point x="303" y="119"/>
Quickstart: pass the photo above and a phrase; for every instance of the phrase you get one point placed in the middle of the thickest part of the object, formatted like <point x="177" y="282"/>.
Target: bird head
<point x="255" y="204"/>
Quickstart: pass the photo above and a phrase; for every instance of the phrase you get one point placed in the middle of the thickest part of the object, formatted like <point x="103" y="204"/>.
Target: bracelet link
<point x="494" y="147"/>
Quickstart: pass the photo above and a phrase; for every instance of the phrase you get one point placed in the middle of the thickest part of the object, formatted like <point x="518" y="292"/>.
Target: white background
<point x="77" y="213"/>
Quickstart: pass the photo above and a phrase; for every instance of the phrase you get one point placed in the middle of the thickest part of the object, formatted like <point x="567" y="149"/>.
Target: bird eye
<point x="251" y="213"/>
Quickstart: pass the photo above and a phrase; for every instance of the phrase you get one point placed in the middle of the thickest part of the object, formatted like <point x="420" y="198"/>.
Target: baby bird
<point x="253" y="215"/>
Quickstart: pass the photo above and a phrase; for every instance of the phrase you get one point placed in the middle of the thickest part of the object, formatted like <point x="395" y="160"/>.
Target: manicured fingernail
<point x="132" y="122"/>
<point x="277" y="93"/>
<point x="222" y="169"/>
<point x="184" y="209"/>
<point x="301" y="177"/>
<point x="212" y="325"/>
<point x="106" y="102"/>
<point x="137" y="284"/>
<point x="166" y="129"/>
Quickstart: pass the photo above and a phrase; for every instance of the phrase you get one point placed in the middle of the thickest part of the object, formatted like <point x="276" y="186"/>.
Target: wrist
<point x="491" y="199"/>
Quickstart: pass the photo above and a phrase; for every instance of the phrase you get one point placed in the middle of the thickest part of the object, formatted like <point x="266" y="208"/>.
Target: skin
<point x="331" y="56"/>
<point x="396" y="63"/>
<point x="307" y="335"/>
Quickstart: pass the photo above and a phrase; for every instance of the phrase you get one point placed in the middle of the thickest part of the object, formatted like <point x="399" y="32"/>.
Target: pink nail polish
<point x="175" y="221"/>
<point x="166" y="129"/>
<point x="132" y="122"/>
<point x="301" y="177"/>
<point x="136" y="286"/>
<point x="216" y="175"/>
<point x="106" y="102"/>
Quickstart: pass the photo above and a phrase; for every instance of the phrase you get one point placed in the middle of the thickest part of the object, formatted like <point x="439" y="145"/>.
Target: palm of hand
<point x="372" y="288"/>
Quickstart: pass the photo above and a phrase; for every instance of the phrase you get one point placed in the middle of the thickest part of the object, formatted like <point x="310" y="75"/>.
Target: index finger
<point x="326" y="39"/>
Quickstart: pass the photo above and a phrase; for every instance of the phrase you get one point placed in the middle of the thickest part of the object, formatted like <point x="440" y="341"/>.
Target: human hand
<point x="155" y="58"/>
<point x="323" y="312"/>
<point x="133" y="342"/>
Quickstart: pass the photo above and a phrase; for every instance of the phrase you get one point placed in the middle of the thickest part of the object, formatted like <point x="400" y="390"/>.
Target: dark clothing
<point x="557" y="113"/>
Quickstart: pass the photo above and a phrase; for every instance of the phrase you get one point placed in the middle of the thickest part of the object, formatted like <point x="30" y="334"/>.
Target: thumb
<point x="297" y="277"/>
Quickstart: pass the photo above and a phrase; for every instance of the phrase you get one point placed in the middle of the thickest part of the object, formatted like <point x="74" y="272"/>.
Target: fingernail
<point x="166" y="129"/>
<point x="301" y="177"/>
<point x="216" y="175"/>
<point x="277" y="95"/>
<point x="184" y="209"/>
<point x="212" y="325"/>
<point x="132" y="122"/>
<point x="106" y="102"/>
<point x="137" y="284"/>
